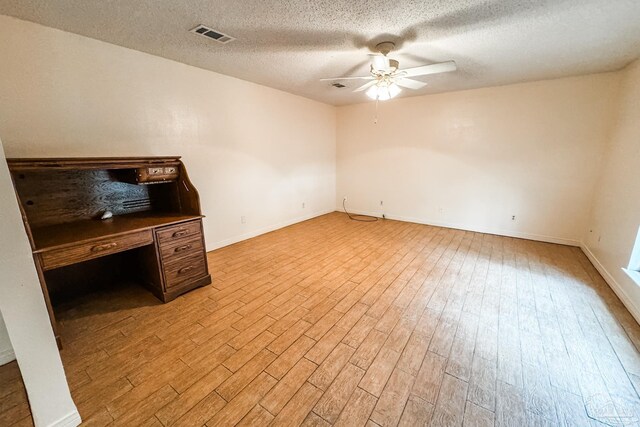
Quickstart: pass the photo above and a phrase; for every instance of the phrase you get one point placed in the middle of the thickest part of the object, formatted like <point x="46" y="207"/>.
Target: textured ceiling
<point x="290" y="45"/>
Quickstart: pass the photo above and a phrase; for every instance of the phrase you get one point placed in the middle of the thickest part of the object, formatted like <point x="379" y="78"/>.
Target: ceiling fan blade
<point x="365" y="86"/>
<point x="410" y="84"/>
<point x="379" y="62"/>
<point x="442" y="67"/>
<point x="348" y="78"/>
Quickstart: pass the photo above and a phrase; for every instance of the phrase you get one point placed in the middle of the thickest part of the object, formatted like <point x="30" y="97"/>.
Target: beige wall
<point x="251" y="151"/>
<point x="615" y="219"/>
<point x="474" y="159"/>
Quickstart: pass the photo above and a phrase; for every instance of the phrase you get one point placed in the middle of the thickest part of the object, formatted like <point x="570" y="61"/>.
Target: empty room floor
<point x="337" y="322"/>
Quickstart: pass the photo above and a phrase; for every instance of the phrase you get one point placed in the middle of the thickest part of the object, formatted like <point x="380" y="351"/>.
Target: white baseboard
<point x="613" y="283"/>
<point x="226" y="242"/>
<point x="7" y="356"/>
<point x="517" y="234"/>
<point x="72" y="419"/>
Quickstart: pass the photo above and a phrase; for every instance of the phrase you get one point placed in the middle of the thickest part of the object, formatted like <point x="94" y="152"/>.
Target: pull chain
<point x="375" y="119"/>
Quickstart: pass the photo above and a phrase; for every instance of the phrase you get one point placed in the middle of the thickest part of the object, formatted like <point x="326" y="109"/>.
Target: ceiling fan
<point x="386" y="79"/>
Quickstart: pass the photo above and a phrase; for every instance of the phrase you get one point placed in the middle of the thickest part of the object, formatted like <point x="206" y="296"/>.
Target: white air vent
<point x="212" y="34"/>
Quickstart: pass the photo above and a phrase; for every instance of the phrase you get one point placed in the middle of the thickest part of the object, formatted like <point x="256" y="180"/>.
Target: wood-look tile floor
<point x="335" y="322"/>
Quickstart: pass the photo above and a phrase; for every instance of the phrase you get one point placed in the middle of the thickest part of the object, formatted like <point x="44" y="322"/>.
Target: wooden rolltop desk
<point x="88" y="218"/>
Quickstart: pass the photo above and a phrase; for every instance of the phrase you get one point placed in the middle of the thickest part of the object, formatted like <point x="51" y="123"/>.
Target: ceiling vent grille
<point x="205" y="31"/>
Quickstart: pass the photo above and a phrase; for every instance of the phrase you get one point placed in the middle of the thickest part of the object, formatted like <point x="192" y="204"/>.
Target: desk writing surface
<point x="61" y="235"/>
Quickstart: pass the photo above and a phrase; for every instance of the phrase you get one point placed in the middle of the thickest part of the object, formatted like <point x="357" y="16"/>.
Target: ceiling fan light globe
<point x="373" y="92"/>
<point x="383" y="91"/>
<point x="394" y="90"/>
<point x="384" y="96"/>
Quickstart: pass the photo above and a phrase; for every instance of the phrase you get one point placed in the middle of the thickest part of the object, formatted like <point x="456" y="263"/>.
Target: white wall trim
<point x="7" y="356"/>
<point x="72" y="419"/>
<point x="517" y="234"/>
<point x="613" y="284"/>
<point x="226" y="242"/>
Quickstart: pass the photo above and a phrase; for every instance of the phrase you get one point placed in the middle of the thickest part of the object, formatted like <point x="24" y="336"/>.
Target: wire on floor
<point x="361" y="218"/>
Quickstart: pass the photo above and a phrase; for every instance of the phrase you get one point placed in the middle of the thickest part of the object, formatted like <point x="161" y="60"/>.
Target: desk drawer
<point x="180" y="231"/>
<point x="181" y="248"/>
<point x="192" y="267"/>
<point x="94" y="249"/>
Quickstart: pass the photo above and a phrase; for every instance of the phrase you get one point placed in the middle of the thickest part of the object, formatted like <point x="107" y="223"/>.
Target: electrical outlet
<point x="513" y="217"/>
<point x="381" y="203"/>
<point x="243" y="219"/>
<point x="303" y="204"/>
<point x="344" y="198"/>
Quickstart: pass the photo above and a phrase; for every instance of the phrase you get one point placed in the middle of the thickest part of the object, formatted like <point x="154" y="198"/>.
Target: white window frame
<point x="633" y="269"/>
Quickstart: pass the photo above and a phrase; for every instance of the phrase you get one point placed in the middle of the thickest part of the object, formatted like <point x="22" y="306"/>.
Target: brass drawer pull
<point x="104" y="247"/>
<point x="185" y="269"/>
<point x="181" y="233"/>
<point x="182" y="248"/>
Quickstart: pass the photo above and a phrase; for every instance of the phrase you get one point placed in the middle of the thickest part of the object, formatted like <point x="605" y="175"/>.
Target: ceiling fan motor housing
<point x="385" y="47"/>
